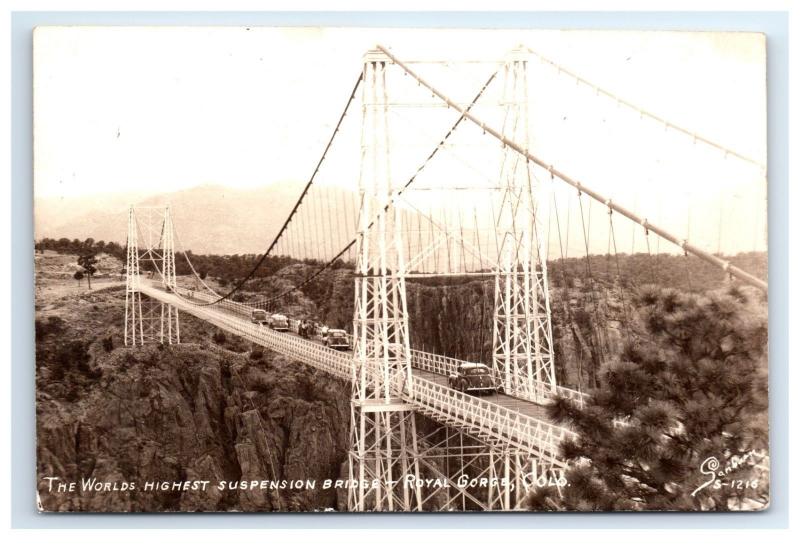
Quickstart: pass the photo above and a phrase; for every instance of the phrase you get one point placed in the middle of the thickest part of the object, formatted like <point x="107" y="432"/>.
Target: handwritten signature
<point x="717" y="477"/>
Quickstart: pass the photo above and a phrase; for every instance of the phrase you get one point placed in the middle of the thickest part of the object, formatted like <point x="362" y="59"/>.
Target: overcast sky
<point x="161" y="109"/>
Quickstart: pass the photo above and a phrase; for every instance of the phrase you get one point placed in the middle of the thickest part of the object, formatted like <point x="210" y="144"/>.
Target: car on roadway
<point x="279" y="323"/>
<point x="337" y="339"/>
<point x="473" y="377"/>
<point x="259" y="316"/>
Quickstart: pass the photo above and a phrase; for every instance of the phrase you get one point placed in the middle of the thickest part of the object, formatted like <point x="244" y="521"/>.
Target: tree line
<point x="82" y="248"/>
<point x="227" y="268"/>
<point x="630" y="270"/>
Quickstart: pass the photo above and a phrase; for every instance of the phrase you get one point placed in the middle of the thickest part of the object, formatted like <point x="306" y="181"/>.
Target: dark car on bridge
<point x="337" y="339"/>
<point x="473" y="378"/>
<point x="258" y="316"/>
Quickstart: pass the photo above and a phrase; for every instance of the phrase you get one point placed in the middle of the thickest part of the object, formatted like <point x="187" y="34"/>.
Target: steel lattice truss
<point x="134" y="327"/>
<point x="382" y="362"/>
<point x="148" y="319"/>
<point x="522" y="334"/>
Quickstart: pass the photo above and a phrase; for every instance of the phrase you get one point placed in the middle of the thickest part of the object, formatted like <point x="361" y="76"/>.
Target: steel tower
<point x="383" y="431"/>
<point x="134" y="332"/>
<point x="170" y="331"/>
<point x="148" y="320"/>
<point x="522" y="334"/>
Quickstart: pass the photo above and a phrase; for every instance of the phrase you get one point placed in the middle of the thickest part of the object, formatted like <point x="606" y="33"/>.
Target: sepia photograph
<point x="321" y="269"/>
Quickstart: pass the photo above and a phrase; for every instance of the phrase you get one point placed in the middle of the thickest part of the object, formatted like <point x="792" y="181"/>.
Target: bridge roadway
<point x="499" y="419"/>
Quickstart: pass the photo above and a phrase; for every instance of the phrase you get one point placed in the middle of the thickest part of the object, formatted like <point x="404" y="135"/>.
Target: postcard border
<point x="773" y="24"/>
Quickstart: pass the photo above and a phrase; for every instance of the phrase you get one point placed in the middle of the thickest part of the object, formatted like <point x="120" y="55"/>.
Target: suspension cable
<point x="565" y="288"/>
<point x="595" y="306"/>
<point x="644" y="113"/>
<point x="684" y="244"/>
<point x="188" y="261"/>
<point x="352" y="242"/>
<point x="626" y="311"/>
<point x="650" y="257"/>
<point x="299" y="200"/>
<point x="397" y="194"/>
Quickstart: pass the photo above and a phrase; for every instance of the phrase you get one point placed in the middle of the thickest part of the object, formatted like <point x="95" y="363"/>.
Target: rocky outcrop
<point x="186" y="413"/>
<point x="587" y="325"/>
<point x="454" y="316"/>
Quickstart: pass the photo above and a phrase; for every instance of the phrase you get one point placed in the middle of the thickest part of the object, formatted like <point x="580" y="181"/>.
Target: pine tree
<point x="693" y="386"/>
<point x="87" y="263"/>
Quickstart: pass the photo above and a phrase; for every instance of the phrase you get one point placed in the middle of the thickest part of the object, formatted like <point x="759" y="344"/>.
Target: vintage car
<point x="279" y="323"/>
<point x="337" y="339"/>
<point x="259" y="316"/>
<point x="473" y="377"/>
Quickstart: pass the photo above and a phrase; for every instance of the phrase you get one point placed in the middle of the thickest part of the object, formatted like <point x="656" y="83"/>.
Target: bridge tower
<point x="134" y="332"/>
<point x="147" y="320"/>
<point x="383" y="430"/>
<point x="522" y="333"/>
<point x="170" y="331"/>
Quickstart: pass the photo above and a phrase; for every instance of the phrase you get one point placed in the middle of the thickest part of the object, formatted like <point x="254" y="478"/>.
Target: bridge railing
<point x="580" y="398"/>
<point x="445" y="365"/>
<point x="313" y="354"/>
<point x="492" y="420"/>
<point x="438" y="364"/>
<point x="475" y="416"/>
<point x="234" y="306"/>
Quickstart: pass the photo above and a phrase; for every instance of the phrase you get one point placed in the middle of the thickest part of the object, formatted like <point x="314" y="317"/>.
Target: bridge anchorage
<point x="416" y="443"/>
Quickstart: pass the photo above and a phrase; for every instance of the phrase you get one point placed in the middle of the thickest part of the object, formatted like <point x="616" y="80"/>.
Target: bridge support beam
<point x="463" y="473"/>
<point x="522" y="333"/>
<point x="383" y="431"/>
<point x="383" y="463"/>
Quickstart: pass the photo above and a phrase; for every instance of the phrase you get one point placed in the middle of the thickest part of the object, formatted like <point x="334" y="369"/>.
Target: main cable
<point x="391" y="200"/>
<point x="644" y="113"/>
<point x="683" y="244"/>
<point x="299" y="200"/>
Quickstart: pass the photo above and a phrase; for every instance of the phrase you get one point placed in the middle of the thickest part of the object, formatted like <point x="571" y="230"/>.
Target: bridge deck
<point x="497" y="419"/>
<point x="537" y="411"/>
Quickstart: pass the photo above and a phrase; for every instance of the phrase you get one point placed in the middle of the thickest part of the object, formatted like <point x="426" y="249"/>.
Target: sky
<point x="161" y="109"/>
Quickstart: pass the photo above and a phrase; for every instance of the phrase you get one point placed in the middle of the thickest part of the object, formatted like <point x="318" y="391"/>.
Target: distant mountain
<point x="54" y="215"/>
<point x="208" y="219"/>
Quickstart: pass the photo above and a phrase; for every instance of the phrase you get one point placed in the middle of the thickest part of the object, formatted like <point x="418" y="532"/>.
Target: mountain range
<point x="209" y="219"/>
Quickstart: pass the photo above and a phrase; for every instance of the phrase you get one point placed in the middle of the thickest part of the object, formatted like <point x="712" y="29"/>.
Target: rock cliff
<point x="195" y="411"/>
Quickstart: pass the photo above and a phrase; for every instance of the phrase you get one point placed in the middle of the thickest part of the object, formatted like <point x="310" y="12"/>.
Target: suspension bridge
<point x="407" y="215"/>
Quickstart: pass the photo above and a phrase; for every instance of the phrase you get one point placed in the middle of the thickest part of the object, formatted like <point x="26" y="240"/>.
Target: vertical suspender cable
<point x="299" y="201"/>
<point x="685" y="245"/>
